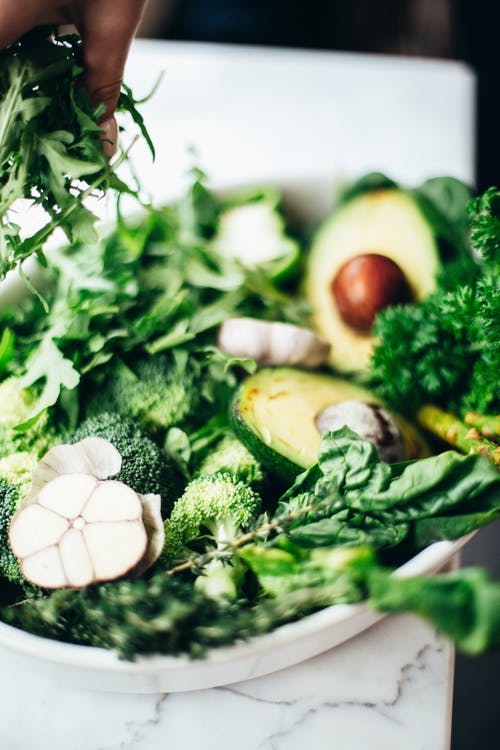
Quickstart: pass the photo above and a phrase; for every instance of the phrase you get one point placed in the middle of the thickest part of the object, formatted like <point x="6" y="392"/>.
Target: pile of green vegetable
<point x="124" y="348"/>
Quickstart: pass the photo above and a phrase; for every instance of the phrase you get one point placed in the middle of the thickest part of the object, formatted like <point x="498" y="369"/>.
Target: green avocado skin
<point x="282" y="468"/>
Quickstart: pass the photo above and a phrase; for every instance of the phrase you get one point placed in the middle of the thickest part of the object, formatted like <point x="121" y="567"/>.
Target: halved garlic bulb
<point x="78" y="527"/>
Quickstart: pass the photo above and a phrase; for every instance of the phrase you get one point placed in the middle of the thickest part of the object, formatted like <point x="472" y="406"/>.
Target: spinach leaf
<point x="367" y="183"/>
<point x="382" y="505"/>
<point x="443" y="201"/>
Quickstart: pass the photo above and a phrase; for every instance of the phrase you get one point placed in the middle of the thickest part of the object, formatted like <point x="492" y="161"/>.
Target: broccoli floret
<point x="17" y="469"/>
<point x="156" y="393"/>
<point x="9" y="500"/>
<point x="15" y="481"/>
<point x="145" y="467"/>
<point x="222" y="506"/>
<point x="230" y="456"/>
<point x="16" y="405"/>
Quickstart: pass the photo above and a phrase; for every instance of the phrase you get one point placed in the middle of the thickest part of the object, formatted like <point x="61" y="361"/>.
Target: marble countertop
<point x="388" y="688"/>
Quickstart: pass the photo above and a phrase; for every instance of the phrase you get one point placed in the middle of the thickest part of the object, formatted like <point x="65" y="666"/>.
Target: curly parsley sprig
<point x="443" y="354"/>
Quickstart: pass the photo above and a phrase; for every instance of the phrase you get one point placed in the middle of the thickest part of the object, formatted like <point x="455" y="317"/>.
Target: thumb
<point x="107" y="37"/>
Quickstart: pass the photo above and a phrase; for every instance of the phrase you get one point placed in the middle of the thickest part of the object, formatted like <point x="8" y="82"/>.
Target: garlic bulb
<point x="78" y="527"/>
<point x="272" y="343"/>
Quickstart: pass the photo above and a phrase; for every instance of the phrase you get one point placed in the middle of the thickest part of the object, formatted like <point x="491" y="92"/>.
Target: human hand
<point x="107" y="28"/>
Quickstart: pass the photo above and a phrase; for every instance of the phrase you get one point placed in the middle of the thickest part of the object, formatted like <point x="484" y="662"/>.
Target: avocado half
<point x="274" y="416"/>
<point x="387" y="222"/>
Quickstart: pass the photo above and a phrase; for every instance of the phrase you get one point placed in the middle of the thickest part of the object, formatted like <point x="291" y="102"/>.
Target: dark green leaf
<point x="465" y="606"/>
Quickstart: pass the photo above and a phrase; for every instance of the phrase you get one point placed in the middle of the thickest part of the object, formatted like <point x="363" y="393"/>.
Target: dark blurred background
<point x="453" y="29"/>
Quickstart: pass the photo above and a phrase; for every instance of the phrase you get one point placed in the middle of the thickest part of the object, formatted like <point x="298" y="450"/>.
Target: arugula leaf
<point x="7" y="340"/>
<point x="50" y="144"/>
<point x="48" y="364"/>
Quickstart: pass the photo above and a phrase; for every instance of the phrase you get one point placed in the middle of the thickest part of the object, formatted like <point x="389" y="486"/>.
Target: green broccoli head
<point x="15" y="481"/>
<point x="9" y="500"/>
<point x="145" y="467"/>
<point x="17" y="405"/>
<point x="219" y="504"/>
<point x="156" y="393"/>
<point x="230" y="456"/>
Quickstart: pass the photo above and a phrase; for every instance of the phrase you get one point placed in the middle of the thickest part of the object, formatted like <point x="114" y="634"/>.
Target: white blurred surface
<point x="255" y="113"/>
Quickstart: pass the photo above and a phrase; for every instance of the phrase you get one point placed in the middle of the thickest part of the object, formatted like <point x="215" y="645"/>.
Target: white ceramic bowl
<point x="306" y="200"/>
<point x="97" y="669"/>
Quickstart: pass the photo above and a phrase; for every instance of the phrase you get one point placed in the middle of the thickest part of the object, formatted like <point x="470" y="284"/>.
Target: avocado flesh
<point x="276" y="411"/>
<point x="387" y="222"/>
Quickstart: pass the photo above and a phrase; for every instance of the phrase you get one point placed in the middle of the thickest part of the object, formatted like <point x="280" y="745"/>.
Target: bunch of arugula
<point x="150" y="287"/>
<point x="50" y="144"/>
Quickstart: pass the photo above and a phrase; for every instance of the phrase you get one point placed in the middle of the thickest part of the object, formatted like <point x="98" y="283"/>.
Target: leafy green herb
<point x="484" y="217"/>
<point x="149" y="288"/>
<point x="50" y="144"/>
<point x="444" y="350"/>
<point x="464" y="605"/>
<point x="167" y="615"/>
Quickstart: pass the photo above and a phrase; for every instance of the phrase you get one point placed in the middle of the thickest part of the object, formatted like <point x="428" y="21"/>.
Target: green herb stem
<point x="278" y="524"/>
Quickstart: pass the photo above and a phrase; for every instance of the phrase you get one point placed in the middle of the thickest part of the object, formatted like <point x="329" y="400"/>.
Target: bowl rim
<point x="90" y="658"/>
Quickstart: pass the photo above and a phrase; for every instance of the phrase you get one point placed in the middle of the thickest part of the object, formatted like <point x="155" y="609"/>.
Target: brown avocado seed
<point x="365" y="285"/>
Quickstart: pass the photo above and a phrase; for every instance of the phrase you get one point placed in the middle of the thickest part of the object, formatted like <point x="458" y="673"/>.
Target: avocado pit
<point x="365" y="285"/>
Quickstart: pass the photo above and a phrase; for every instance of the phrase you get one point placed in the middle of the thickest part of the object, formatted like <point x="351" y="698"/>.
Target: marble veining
<point x="386" y="689"/>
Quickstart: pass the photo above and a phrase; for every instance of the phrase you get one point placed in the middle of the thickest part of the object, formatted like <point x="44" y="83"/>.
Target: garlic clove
<point x="272" y="343"/>
<point x="68" y="494"/>
<point x="75" y="559"/>
<point x="115" y="547"/>
<point x="45" y="568"/>
<point x="370" y="421"/>
<point x="112" y="501"/>
<point x="293" y="345"/>
<point x="85" y="531"/>
<point x="35" y="528"/>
